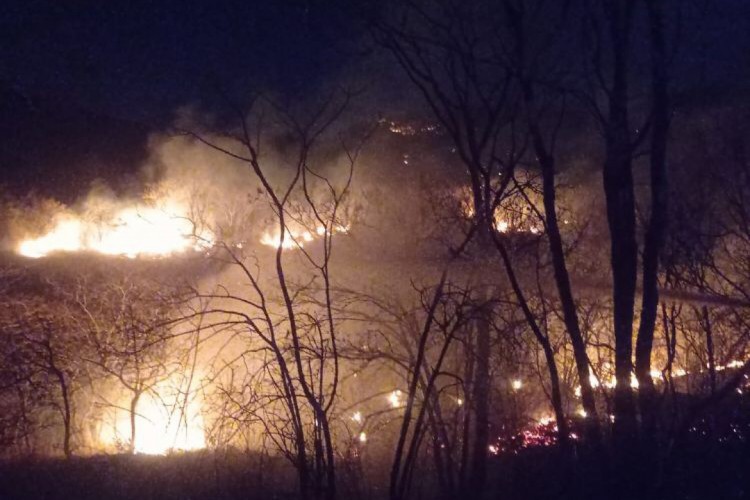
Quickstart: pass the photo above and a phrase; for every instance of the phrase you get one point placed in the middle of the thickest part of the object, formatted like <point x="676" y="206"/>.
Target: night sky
<point x="142" y="59"/>
<point x="83" y="83"/>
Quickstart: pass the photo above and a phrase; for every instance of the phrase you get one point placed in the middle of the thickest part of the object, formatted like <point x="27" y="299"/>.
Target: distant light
<point x="593" y="380"/>
<point x="546" y="419"/>
<point x="357" y="417"/>
<point x="394" y="398"/>
<point x="362" y="437"/>
<point x="517" y="384"/>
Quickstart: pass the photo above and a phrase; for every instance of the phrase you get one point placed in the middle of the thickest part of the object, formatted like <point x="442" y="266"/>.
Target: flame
<point x="157" y="230"/>
<point x="159" y="427"/>
<point x="546" y="419"/>
<point x="297" y="238"/>
<point x="513" y="216"/>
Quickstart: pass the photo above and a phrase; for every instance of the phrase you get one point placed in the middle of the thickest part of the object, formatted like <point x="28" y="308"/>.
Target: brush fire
<point x="381" y="250"/>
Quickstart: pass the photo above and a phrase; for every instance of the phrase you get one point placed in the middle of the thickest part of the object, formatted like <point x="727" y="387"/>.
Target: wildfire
<point x="657" y="376"/>
<point x="161" y="425"/>
<point x="297" y="238"/>
<point x="511" y="217"/>
<point x="149" y="230"/>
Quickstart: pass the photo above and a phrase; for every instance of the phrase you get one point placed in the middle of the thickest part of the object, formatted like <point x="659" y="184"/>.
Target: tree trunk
<point x="708" y="330"/>
<point x="330" y="470"/>
<point x="133" y="413"/>
<point x="562" y="425"/>
<point x="562" y="279"/>
<point x="481" y="398"/>
<point x="67" y="413"/>
<point x="398" y="477"/>
<point x="563" y="432"/>
<point x="654" y="239"/>
<point x="618" y="189"/>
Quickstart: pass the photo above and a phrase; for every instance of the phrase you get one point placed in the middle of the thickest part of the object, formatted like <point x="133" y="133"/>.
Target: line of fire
<point x="527" y="276"/>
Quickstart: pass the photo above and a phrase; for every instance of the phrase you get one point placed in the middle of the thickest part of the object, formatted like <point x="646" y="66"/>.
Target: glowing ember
<point x="132" y="231"/>
<point x="394" y="398"/>
<point x="546" y="419"/>
<point x="297" y="238"/>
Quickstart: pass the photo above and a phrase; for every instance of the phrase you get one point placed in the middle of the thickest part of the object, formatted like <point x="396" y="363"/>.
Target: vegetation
<point x="539" y="291"/>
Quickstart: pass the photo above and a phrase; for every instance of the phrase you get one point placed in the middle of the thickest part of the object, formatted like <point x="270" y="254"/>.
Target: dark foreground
<point x="716" y="472"/>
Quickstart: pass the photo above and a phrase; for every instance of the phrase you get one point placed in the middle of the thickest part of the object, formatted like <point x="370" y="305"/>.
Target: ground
<point x="690" y="474"/>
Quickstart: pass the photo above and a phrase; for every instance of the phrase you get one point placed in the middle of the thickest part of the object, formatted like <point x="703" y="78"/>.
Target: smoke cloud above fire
<point x="189" y="196"/>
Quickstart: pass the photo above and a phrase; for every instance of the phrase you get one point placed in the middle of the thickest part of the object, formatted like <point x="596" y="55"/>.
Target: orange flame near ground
<point x="133" y="231"/>
<point x="162" y="425"/>
<point x="297" y="238"/>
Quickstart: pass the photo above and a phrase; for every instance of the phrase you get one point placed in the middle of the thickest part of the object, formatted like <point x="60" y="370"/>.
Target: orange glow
<point x="394" y="399"/>
<point x="297" y="238"/>
<point x="160" y="426"/>
<point x="150" y="230"/>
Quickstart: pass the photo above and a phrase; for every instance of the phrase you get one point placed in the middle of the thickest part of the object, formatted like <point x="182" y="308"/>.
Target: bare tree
<point x="124" y="323"/>
<point x="289" y="316"/>
<point x="42" y="350"/>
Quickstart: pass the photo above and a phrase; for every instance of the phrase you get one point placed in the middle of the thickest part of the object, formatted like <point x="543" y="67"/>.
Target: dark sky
<point x="104" y="73"/>
<point x="141" y="59"/>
